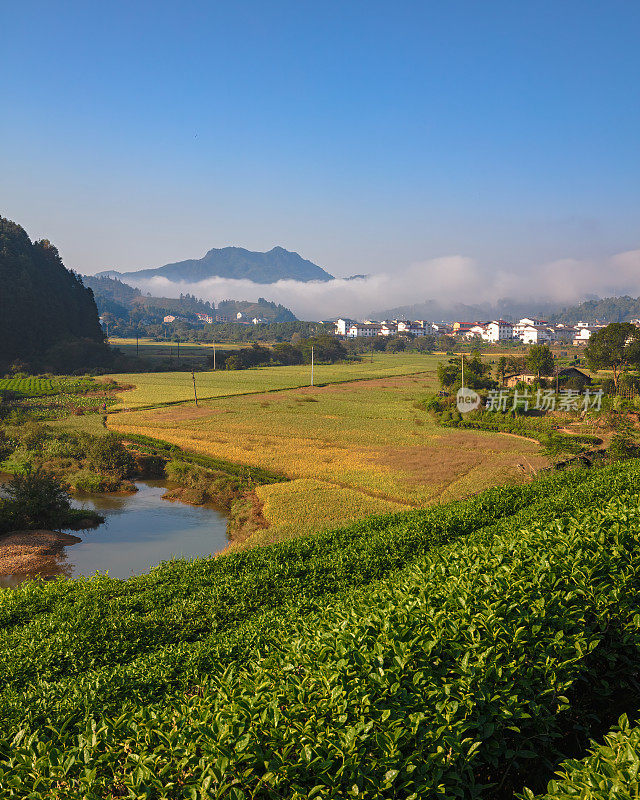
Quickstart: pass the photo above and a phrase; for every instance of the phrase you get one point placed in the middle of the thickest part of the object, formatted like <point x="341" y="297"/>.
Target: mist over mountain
<point x="502" y="309"/>
<point x="235" y="263"/>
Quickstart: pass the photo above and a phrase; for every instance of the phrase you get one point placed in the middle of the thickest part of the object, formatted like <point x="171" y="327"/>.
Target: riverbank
<point x="140" y="531"/>
<point x="30" y="552"/>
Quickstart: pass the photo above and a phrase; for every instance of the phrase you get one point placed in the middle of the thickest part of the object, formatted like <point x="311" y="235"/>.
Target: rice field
<point x="351" y="449"/>
<point x="156" y="388"/>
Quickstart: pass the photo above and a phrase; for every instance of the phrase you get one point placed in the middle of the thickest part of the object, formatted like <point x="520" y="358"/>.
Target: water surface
<point x="140" y="531"/>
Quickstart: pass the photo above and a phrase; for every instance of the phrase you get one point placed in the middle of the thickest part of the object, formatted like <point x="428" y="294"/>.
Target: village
<point x="528" y="330"/>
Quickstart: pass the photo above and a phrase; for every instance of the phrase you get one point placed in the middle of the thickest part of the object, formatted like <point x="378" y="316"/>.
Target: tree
<point x="540" y="360"/>
<point x="615" y="347"/>
<point x="35" y="499"/>
<point x="477" y="374"/>
<point x="502" y="367"/>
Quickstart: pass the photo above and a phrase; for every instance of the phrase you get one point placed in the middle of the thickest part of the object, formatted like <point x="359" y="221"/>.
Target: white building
<point x="532" y="321"/>
<point x="363" y="329"/>
<point x="498" y="330"/>
<point x="342" y="325"/>
<point x="583" y="333"/>
<point x="536" y="334"/>
<point x="476" y="332"/>
<point x="404" y="326"/>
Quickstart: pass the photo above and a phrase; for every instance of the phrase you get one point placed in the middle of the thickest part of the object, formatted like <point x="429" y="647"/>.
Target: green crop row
<point x="611" y="771"/>
<point x="46" y="387"/>
<point x="432" y="682"/>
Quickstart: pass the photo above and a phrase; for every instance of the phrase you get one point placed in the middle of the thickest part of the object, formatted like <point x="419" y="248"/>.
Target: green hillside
<point x="431" y="654"/>
<point x="48" y="318"/>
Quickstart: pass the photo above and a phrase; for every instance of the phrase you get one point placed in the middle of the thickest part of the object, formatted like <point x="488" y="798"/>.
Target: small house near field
<point x="573" y="378"/>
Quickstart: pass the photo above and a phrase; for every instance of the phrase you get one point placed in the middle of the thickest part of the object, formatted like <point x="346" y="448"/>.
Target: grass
<point x="359" y="445"/>
<point x="171" y="387"/>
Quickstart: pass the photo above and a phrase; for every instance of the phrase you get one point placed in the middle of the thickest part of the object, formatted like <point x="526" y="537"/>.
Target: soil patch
<point x="34" y="551"/>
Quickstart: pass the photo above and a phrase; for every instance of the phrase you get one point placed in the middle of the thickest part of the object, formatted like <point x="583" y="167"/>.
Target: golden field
<point x="351" y="449"/>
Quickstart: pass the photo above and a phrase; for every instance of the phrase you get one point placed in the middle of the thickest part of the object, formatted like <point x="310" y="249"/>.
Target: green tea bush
<point x="340" y="660"/>
<point x="611" y="770"/>
<point x="427" y="684"/>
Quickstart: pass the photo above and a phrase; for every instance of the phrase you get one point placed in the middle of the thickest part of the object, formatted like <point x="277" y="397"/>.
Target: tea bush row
<point x="89" y="644"/>
<point x="64" y="628"/>
<point x="432" y="683"/>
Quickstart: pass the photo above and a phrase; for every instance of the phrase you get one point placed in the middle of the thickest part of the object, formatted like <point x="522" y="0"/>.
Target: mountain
<point x="503" y="309"/>
<point x="48" y="318"/>
<point x="607" y="309"/>
<point x="233" y="262"/>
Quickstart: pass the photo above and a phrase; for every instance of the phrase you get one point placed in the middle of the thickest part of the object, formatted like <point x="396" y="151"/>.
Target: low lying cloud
<point x="446" y="281"/>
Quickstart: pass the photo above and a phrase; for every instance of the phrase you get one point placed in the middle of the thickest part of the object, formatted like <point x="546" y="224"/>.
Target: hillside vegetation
<point x="48" y="318"/>
<point x="434" y="653"/>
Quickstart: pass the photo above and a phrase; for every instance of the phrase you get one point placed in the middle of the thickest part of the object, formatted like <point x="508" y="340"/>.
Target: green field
<point x="170" y="387"/>
<point x="162" y="351"/>
<point x="422" y="655"/>
<point x="46" y="387"/>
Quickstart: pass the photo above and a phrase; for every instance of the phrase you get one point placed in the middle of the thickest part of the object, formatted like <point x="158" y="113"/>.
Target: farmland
<point x="171" y="387"/>
<point x="154" y="351"/>
<point x="46" y="387"/>
<point x="350" y="449"/>
<point x="426" y="654"/>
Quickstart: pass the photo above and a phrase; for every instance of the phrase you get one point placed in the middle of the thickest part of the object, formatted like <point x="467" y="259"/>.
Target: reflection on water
<point x="140" y="531"/>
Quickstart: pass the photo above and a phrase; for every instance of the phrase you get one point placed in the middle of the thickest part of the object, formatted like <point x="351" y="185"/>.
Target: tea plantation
<point x="460" y="651"/>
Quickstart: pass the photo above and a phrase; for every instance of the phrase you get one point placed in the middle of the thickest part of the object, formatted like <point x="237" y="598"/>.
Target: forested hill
<point x="235" y="262"/>
<point x="48" y="318"/>
<point x="607" y="309"/>
<point x="125" y="303"/>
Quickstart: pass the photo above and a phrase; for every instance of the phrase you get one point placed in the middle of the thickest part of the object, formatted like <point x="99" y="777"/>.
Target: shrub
<point x="108" y="454"/>
<point x="35" y="500"/>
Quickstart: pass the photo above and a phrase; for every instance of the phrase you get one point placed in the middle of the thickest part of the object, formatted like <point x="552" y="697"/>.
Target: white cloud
<point x="446" y="280"/>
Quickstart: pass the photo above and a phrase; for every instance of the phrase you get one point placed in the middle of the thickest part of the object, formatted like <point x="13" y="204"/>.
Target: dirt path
<point x="33" y="552"/>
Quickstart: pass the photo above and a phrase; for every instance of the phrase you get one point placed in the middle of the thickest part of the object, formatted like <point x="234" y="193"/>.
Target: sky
<point x="451" y="148"/>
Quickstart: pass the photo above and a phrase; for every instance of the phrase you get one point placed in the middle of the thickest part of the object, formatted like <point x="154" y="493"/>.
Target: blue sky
<point x="365" y="135"/>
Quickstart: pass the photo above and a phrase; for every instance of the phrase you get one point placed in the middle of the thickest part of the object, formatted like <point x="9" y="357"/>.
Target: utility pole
<point x="214" y="356"/>
<point x="462" y="359"/>
<point x="137" y="350"/>
<point x="195" y="394"/>
<point x="312" y="365"/>
<point x="178" y="349"/>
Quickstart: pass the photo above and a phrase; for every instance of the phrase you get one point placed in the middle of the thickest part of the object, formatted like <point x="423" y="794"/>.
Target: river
<point x="140" y="531"/>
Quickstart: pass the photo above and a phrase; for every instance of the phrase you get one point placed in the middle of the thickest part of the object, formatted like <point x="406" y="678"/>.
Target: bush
<point x="108" y="454"/>
<point x="609" y="771"/>
<point x="35" y="500"/>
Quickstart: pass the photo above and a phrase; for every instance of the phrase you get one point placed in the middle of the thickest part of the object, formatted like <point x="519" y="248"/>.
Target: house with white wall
<point x="363" y="329"/>
<point x="498" y="330"/>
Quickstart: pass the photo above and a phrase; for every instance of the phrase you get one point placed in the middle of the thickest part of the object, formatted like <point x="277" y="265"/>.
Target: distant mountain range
<point x="233" y="262"/>
<point x="608" y="309"/>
